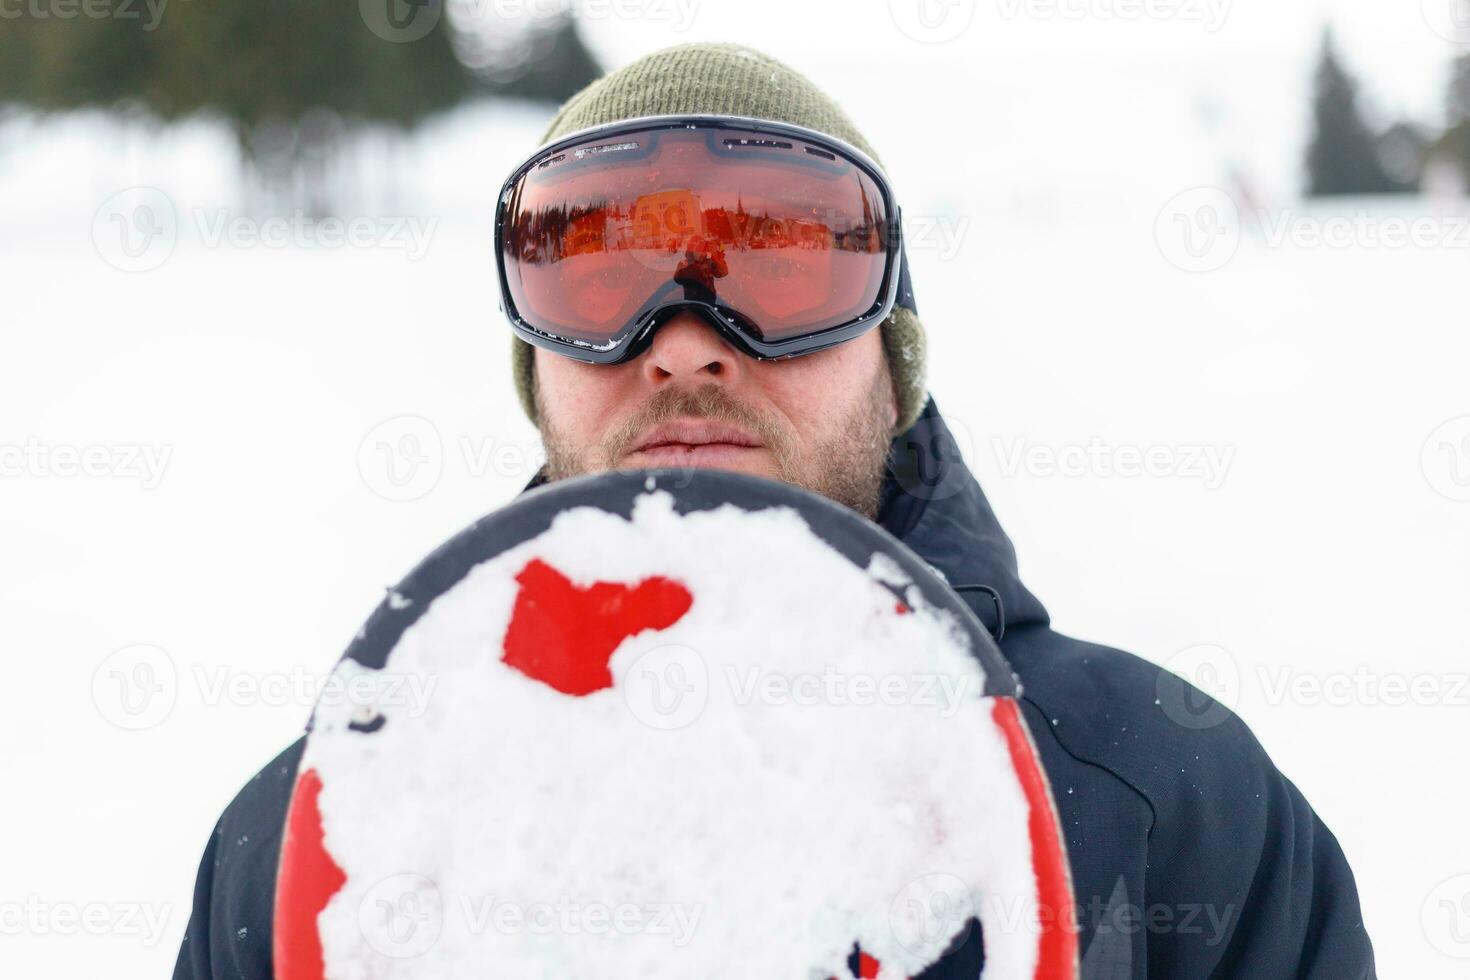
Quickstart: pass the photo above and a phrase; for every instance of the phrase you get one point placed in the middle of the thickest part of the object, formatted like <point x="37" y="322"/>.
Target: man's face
<point x="821" y="421"/>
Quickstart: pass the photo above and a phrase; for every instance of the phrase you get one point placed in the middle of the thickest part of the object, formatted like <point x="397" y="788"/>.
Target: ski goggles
<point x="785" y="240"/>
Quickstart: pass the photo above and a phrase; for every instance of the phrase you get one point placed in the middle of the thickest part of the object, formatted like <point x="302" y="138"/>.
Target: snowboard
<point x="672" y="724"/>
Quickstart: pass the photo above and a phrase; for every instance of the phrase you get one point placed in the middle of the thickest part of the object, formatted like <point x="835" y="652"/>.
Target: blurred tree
<point x="294" y="79"/>
<point x="544" y="60"/>
<point x="1343" y="157"/>
<point x="1404" y="149"/>
<point x="1453" y="148"/>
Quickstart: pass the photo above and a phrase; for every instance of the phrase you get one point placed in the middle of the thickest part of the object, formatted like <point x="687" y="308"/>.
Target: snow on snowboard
<point x="669" y="725"/>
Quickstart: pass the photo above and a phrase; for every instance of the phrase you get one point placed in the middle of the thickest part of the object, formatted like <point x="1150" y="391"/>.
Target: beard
<point x="847" y="465"/>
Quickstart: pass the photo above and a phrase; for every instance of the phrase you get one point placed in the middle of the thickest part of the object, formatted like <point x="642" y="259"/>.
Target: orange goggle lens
<point x="785" y="236"/>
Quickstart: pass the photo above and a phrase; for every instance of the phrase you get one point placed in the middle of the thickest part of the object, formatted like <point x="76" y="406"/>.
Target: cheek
<point x="575" y="397"/>
<point x="830" y="385"/>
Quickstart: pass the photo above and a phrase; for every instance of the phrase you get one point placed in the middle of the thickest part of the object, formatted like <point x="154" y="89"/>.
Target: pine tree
<point x="1343" y="155"/>
<point x="1454" y="145"/>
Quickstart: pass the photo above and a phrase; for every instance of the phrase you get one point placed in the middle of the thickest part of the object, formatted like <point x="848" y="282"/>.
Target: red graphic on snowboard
<point x="563" y="635"/>
<point x="307" y="880"/>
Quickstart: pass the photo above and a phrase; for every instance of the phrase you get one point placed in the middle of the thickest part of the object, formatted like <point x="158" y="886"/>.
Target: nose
<point x="688" y="349"/>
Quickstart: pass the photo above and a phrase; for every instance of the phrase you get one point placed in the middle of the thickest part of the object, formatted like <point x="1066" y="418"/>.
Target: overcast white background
<point x="1050" y="166"/>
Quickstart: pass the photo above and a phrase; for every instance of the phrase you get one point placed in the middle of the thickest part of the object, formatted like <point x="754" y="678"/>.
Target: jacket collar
<point x="933" y="504"/>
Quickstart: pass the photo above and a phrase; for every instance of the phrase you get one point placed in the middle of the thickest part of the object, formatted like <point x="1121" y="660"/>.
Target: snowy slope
<point x="322" y="416"/>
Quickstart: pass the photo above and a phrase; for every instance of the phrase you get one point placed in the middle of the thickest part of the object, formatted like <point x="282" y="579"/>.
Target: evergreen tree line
<point x="293" y="79"/>
<point x="1347" y="155"/>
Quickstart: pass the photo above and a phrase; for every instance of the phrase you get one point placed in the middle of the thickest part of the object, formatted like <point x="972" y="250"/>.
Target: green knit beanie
<point x="728" y="79"/>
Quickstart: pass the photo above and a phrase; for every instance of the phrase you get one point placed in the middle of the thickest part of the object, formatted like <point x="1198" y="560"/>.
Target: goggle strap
<point x="905" y="286"/>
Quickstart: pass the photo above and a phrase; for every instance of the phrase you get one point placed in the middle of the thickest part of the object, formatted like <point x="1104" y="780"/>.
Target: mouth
<point x="694" y="442"/>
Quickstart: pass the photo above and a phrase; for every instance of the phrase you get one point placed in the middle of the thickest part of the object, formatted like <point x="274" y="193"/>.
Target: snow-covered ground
<point x="215" y="463"/>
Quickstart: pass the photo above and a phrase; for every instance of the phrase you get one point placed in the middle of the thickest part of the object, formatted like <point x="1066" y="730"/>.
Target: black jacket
<point x="1191" y="855"/>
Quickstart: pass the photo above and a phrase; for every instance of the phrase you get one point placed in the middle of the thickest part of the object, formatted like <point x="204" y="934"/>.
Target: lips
<point x="693" y="435"/>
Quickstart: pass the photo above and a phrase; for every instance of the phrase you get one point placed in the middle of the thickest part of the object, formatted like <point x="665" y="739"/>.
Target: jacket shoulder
<point x="229" y="932"/>
<point x="1229" y="834"/>
<point x="1172" y="743"/>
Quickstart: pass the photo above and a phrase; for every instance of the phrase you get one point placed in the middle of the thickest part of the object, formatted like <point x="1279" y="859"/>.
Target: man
<point x="735" y="328"/>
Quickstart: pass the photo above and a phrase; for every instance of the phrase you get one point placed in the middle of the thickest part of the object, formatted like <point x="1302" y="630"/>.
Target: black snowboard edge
<point x="855" y="537"/>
